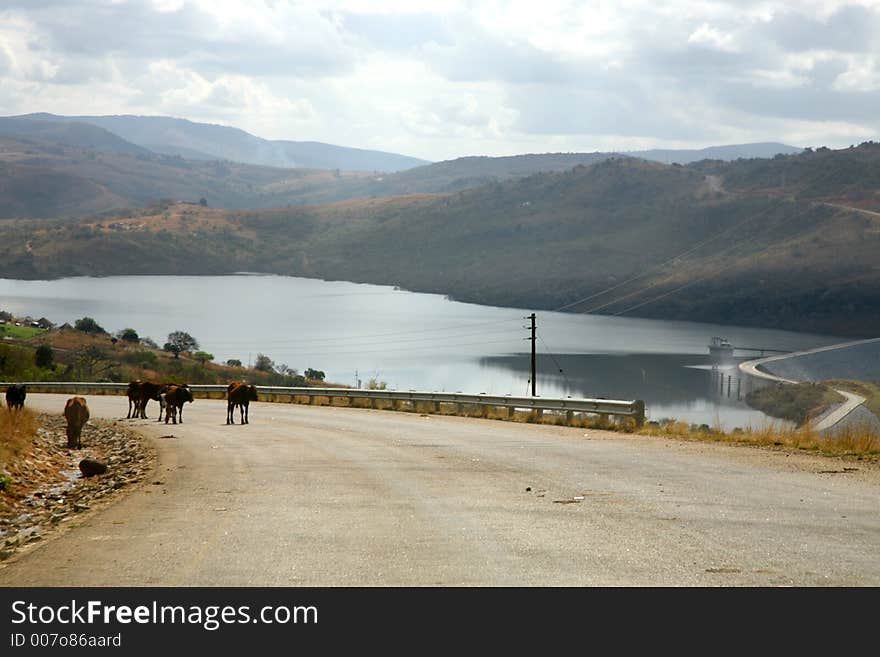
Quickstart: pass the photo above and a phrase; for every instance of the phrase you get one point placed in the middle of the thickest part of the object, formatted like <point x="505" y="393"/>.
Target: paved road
<point x="317" y="496"/>
<point x="827" y="422"/>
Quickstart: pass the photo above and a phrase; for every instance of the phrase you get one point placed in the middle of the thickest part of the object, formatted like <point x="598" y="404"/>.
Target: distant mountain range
<point x="109" y="163"/>
<point x="204" y="141"/>
<point x="725" y="153"/>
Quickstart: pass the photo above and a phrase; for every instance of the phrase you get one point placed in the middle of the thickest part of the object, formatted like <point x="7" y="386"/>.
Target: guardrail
<point x="634" y="409"/>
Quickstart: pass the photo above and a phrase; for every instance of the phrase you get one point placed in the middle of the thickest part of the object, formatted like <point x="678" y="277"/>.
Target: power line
<point x="556" y="362"/>
<point x="673" y="259"/>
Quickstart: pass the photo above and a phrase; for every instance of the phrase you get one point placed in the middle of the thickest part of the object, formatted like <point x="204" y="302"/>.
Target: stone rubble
<point x="47" y="488"/>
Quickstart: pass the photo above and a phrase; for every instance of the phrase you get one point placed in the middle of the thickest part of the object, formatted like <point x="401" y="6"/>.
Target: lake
<point x="412" y="341"/>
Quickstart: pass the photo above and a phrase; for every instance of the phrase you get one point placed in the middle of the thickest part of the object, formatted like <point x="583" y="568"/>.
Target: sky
<point x="439" y="80"/>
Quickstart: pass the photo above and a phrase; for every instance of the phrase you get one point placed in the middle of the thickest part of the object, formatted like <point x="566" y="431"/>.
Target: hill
<point x="173" y="136"/>
<point x="724" y="153"/>
<point x="790" y="242"/>
<point x="88" y="170"/>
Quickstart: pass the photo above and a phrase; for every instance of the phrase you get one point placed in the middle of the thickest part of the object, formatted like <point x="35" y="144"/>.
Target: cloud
<point x="470" y="77"/>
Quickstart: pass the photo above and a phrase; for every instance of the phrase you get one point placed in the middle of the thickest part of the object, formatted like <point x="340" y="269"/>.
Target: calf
<point x="239" y="394"/>
<point x="175" y="397"/>
<point x="15" y="395"/>
<point x="76" y="411"/>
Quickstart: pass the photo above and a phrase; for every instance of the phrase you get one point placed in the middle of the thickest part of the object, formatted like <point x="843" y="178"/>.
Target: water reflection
<point x="689" y="388"/>
<point x="356" y="332"/>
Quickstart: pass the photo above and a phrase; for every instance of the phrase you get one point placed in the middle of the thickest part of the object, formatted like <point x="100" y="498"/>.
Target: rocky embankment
<point x="47" y="491"/>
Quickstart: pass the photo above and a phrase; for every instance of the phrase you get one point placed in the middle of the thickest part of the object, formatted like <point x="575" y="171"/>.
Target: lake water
<point x="356" y="332"/>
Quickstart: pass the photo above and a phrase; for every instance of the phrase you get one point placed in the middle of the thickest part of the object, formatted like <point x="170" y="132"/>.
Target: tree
<point x="88" y="325"/>
<point x="203" y="357"/>
<point x="233" y="362"/>
<point x="150" y="342"/>
<point x="44" y="356"/>
<point x="129" y="335"/>
<point x="315" y="375"/>
<point x="92" y="361"/>
<point x="203" y="202"/>
<point x="264" y="363"/>
<point x="179" y="341"/>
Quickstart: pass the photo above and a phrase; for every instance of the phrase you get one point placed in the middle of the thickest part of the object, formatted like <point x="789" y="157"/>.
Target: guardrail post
<point x="313" y="400"/>
<point x="484" y="411"/>
<point x="511" y="412"/>
<point x="639" y="414"/>
<point x="539" y="413"/>
<point x="569" y="416"/>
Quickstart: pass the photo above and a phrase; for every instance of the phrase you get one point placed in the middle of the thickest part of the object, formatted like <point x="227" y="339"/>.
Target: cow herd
<point x="170" y="396"/>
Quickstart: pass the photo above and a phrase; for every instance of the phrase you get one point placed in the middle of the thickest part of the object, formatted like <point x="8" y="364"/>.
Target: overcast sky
<point x="439" y="80"/>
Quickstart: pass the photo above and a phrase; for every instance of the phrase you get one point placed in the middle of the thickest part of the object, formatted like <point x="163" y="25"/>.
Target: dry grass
<point x="859" y="442"/>
<point x="17" y="430"/>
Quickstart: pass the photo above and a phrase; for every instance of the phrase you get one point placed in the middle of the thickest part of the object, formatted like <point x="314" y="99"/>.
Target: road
<point x="312" y="496"/>
<point x="825" y="423"/>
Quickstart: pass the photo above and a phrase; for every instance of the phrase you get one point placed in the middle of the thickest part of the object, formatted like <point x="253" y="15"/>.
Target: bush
<point x="129" y="335"/>
<point x="44" y="357"/>
<point x="88" y="325"/>
<point x="144" y="358"/>
<point x="264" y="363"/>
<point x="315" y="375"/>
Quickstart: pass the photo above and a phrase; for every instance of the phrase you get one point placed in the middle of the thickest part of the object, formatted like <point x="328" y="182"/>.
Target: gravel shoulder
<point x="49" y="493"/>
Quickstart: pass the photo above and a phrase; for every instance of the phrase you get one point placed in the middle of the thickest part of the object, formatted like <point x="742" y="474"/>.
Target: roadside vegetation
<point x="798" y="403"/>
<point x="870" y="391"/>
<point x="17" y="432"/>
<point x="89" y="353"/>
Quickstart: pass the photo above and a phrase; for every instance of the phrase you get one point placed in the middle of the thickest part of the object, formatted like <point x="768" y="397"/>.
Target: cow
<point x="175" y="397"/>
<point x="143" y="392"/>
<point x="133" y="396"/>
<point x="239" y="394"/>
<point x="15" y="395"/>
<point x="77" y="413"/>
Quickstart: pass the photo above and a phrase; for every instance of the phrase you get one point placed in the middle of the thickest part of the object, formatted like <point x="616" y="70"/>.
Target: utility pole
<point x="533" y="339"/>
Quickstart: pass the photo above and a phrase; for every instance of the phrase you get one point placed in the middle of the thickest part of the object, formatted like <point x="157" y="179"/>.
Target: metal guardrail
<point x="570" y="405"/>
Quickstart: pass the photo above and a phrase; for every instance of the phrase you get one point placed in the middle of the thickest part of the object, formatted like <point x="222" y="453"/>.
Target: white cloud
<point x="437" y="80"/>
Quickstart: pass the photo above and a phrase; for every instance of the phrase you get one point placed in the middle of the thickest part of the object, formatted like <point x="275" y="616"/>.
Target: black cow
<point x="15" y="395"/>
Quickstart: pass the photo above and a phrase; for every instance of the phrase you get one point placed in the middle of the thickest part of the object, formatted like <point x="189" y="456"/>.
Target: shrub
<point x="88" y="325"/>
<point x="44" y="356"/>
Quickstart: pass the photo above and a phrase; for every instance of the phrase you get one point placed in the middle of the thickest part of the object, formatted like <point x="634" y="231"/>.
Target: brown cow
<point x="77" y="413"/>
<point x="239" y="394"/>
<point x="175" y="397"/>
<point x="144" y="391"/>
